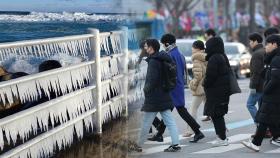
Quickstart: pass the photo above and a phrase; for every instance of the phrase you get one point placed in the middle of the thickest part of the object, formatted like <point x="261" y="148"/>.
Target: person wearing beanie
<point x="216" y="87"/>
<point x="199" y="70"/>
<point x="268" y="113"/>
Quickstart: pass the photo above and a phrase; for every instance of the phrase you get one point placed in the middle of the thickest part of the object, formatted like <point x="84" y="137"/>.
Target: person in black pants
<point x="216" y="87"/>
<point x="177" y="94"/>
<point x="268" y="113"/>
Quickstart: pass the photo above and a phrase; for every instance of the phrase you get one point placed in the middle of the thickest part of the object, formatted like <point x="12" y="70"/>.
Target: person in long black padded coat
<point x="216" y="87"/>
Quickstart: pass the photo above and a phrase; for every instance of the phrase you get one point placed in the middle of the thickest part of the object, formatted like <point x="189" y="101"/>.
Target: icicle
<point x="88" y="123"/>
<point x="2" y="139"/>
<point x="114" y="66"/>
<point x="79" y="129"/>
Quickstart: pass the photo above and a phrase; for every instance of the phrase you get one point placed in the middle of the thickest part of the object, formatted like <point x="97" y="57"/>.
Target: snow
<point x="63" y="17"/>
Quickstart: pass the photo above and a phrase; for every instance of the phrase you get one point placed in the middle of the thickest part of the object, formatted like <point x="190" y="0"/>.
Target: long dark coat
<point x="216" y="83"/>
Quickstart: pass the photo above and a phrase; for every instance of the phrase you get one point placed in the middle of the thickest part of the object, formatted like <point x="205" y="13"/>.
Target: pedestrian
<point x="157" y="100"/>
<point x="209" y="33"/>
<point x="178" y="93"/>
<point x="268" y="114"/>
<point x="216" y="87"/>
<point x="256" y="68"/>
<point x="271" y="31"/>
<point x="199" y="70"/>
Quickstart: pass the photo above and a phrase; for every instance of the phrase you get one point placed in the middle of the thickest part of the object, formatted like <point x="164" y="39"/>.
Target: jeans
<point x="261" y="131"/>
<point x="168" y="120"/>
<point x="251" y="103"/>
<point x="185" y="115"/>
<point x="220" y="126"/>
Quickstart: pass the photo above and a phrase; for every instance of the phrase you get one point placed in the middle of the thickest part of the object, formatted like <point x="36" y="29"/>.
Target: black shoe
<point x="157" y="138"/>
<point x="172" y="148"/>
<point x="197" y="137"/>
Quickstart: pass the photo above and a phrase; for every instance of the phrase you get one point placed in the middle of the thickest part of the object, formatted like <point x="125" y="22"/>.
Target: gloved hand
<point x="253" y="91"/>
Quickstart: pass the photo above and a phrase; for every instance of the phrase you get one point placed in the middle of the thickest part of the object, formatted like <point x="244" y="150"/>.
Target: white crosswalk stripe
<point x="277" y="151"/>
<point x="221" y="149"/>
<point x="236" y="138"/>
<point x="233" y="140"/>
<point x="155" y="150"/>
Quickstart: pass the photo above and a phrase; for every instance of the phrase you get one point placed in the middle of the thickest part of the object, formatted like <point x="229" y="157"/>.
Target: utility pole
<point x="252" y="16"/>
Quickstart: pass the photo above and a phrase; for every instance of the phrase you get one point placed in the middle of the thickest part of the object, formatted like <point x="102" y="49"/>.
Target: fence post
<point x="95" y="44"/>
<point x="125" y="69"/>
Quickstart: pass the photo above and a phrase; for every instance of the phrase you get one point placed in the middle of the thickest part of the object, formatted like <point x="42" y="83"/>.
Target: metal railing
<point x="90" y="104"/>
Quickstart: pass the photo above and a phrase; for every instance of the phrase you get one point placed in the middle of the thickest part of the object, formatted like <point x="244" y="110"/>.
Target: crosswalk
<point x="234" y="144"/>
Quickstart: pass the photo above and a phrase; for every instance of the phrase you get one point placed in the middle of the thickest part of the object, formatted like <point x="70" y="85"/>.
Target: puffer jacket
<point x="269" y="111"/>
<point x="156" y="98"/>
<point x="199" y="70"/>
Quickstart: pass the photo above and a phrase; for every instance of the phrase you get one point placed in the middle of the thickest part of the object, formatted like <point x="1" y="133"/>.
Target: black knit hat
<point x="198" y="45"/>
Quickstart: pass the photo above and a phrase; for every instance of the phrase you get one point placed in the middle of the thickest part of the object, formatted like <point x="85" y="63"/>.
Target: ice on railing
<point x="114" y="66"/>
<point x="60" y="82"/>
<point x="116" y="43"/>
<point x="74" y="107"/>
<point x="105" y="92"/>
<point x="74" y="48"/>
<point x="136" y="93"/>
<point x="104" y="43"/>
<point x="105" y="70"/>
<point x="116" y="108"/>
<point x="105" y="113"/>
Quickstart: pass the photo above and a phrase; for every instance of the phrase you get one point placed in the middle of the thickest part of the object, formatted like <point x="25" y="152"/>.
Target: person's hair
<point x="154" y="44"/>
<point x="256" y="37"/>
<point x="168" y="38"/>
<point x="270" y="31"/>
<point x="273" y="39"/>
<point x="210" y="32"/>
<point x="198" y="45"/>
<point x="48" y="65"/>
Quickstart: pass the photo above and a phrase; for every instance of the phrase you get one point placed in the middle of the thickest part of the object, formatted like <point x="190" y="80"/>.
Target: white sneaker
<point x="219" y="142"/>
<point x="275" y="141"/>
<point x="251" y="146"/>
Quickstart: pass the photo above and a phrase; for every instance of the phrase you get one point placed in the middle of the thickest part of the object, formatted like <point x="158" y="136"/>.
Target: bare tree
<point x="176" y="8"/>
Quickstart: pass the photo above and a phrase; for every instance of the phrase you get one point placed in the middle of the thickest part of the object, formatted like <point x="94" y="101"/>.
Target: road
<point x="239" y="124"/>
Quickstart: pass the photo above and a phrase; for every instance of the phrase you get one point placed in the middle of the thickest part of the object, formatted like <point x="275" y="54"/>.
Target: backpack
<point x="168" y="75"/>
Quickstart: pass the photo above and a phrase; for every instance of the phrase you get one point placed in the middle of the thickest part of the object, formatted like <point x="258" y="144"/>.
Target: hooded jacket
<point x="156" y="99"/>
<point x="216" y="82"/>
<point x="199" y="70"/>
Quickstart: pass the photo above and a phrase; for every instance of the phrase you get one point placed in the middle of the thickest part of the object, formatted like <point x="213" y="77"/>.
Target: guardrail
<point x="92" y="92"/>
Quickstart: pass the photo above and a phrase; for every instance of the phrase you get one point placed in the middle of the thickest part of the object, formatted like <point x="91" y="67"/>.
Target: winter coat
<point x="269" y="111"/>
<point x="178" y="93"/>
<point x="256" y="68"/>
<point x="199" y="70"/>
<point x="216" y="82"/>
<point x="156" y="99"/>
